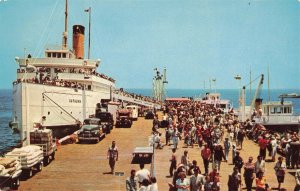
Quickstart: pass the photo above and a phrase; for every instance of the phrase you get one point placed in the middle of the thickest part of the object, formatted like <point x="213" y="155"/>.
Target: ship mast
<point x="65" y="33"/>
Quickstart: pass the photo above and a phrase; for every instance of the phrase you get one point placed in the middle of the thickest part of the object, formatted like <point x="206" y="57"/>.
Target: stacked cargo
<point x="28" y="156"/>
<point x="10" y="170"/>
<point x="8" y="166"/>
<point x="42" y="138"/>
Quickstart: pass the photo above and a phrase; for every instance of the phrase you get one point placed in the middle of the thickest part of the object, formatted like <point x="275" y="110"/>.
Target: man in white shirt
<point x="196" y="181"/>
<point x="260" y="165"/>
<point x="143" y="173"/>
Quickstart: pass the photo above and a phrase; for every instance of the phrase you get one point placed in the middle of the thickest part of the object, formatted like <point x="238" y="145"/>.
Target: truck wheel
<point x="15" y="183"/>
<point x="29" y="173"/>
<point x="53" y="155"/>
<point x="46" y="160"/>
<point x="40" y="166"/>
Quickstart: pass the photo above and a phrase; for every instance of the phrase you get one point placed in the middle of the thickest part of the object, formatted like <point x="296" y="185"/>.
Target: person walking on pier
<point x="227" y="146"/>
<point x="249" y="176"/>
<point x="218" y="155"/>
<point x="175" y="137"/>
<point x="238" y="161"/>
<point x="131" y="182"/>
<point x="185" y="160"/>
<point x="273" y="144"/>
<point x="234" y="180"/>
<point x="260" y="165"/>
<point x="260" y="182"/>
<point x="182" y="184"/>
<point x="173" y="161"/>
<point x="112" y="155"/>
<point x="196" y="181"/>
<point x="280" y="168"/>
<point x="263" y="143"/>
<point x="206" y="154"/>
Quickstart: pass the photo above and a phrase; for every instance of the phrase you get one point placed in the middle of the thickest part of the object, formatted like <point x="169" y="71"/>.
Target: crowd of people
<point x="121" y="91"/>
<point x="216" y="134"/>
<point x="43" y="75"/>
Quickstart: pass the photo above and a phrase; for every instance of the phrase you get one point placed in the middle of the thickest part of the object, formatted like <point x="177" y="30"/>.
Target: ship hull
<point x="282" y="127"/>
<point x="54" y="107"/>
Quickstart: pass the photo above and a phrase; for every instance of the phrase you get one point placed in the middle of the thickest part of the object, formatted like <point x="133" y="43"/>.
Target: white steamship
<point x="59" y="90"/>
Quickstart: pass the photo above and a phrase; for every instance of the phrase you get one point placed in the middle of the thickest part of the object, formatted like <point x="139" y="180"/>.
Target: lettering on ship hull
<point x="74" y="101"/>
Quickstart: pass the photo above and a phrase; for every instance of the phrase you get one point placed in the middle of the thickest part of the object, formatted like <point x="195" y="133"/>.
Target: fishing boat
<point x="59" y="90"/>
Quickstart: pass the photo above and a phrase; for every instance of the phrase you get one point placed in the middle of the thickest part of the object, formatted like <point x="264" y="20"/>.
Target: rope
<point x="44" y="31"/>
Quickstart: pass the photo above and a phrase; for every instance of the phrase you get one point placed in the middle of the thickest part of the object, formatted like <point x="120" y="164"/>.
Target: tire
<point x="40" y="166"/>
<point x="53" y="155"/>
<point x="15" y="183"/>
<point x="29" y="173"/>
<point x="46" y="160"/>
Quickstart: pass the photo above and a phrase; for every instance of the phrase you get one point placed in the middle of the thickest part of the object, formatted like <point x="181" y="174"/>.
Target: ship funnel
<point x="78" y="41"/>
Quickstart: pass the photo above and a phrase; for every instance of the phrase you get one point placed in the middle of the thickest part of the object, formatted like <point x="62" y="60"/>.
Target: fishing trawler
<point x="59" y="90"/>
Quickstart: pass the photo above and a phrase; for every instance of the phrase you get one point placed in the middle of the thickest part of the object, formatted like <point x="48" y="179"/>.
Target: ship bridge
<point x="128" y="98"/>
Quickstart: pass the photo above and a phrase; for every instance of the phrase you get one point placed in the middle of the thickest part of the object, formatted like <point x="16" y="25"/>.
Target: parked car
<point x="149" y="114"/>
<point x="106" y="120"/>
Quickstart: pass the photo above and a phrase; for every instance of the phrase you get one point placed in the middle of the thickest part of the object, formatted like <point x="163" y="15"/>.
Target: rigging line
<point x="60" y="107"/>
<point x="252" y="81"/>
<point x="45" y="29"/>
<point x="55" y="110"/>
<point x="48" y="35"/>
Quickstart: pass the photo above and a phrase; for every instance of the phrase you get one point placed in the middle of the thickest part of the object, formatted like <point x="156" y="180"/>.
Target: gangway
<point x="126" y="99"/>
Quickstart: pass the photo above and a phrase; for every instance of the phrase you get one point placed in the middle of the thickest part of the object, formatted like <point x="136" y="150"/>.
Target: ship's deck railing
<point x="278" y="119"/>
<point x="21" y="72"/>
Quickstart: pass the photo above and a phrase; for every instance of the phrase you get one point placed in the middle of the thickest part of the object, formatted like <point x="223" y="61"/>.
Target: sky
<point x="195" y="40"/>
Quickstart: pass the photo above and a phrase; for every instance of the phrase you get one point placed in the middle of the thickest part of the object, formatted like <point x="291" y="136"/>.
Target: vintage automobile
<point x="91" y="131"/>
<point x="149" y="114"/>
<point x="123" y="118"/>
<point x="106" y="120"/>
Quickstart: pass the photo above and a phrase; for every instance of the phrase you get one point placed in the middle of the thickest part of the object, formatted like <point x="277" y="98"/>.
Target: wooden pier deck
<point x="85" y="167"/>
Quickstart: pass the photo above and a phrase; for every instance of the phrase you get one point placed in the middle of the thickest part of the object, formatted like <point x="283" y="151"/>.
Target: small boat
<point x="291" y="95"/>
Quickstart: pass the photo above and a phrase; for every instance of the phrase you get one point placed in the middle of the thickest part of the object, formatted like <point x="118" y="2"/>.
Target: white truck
<point x="134" y="111"/>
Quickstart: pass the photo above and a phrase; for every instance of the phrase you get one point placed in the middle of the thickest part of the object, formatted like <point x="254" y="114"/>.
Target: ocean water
<point x="8" y="139"/>
<point x="230" y="94"/>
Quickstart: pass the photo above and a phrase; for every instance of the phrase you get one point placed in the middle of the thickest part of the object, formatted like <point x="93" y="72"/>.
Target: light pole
<point x="215" y="86"/>
<point x="238" y="77"/>
<point x="89" y="10"/>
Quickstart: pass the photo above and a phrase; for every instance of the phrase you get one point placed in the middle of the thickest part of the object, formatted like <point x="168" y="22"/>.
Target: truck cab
<point x="134" y="109"/>
<point x="123" y="118"/>
<point x="106" y="120"/>
<point x="91" y="131"/>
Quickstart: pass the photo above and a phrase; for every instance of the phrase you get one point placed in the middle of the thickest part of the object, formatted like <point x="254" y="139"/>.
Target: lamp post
<point x="89" y="10"/>
<point x="215" y="86"/>
<point x="238" y="77"/>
